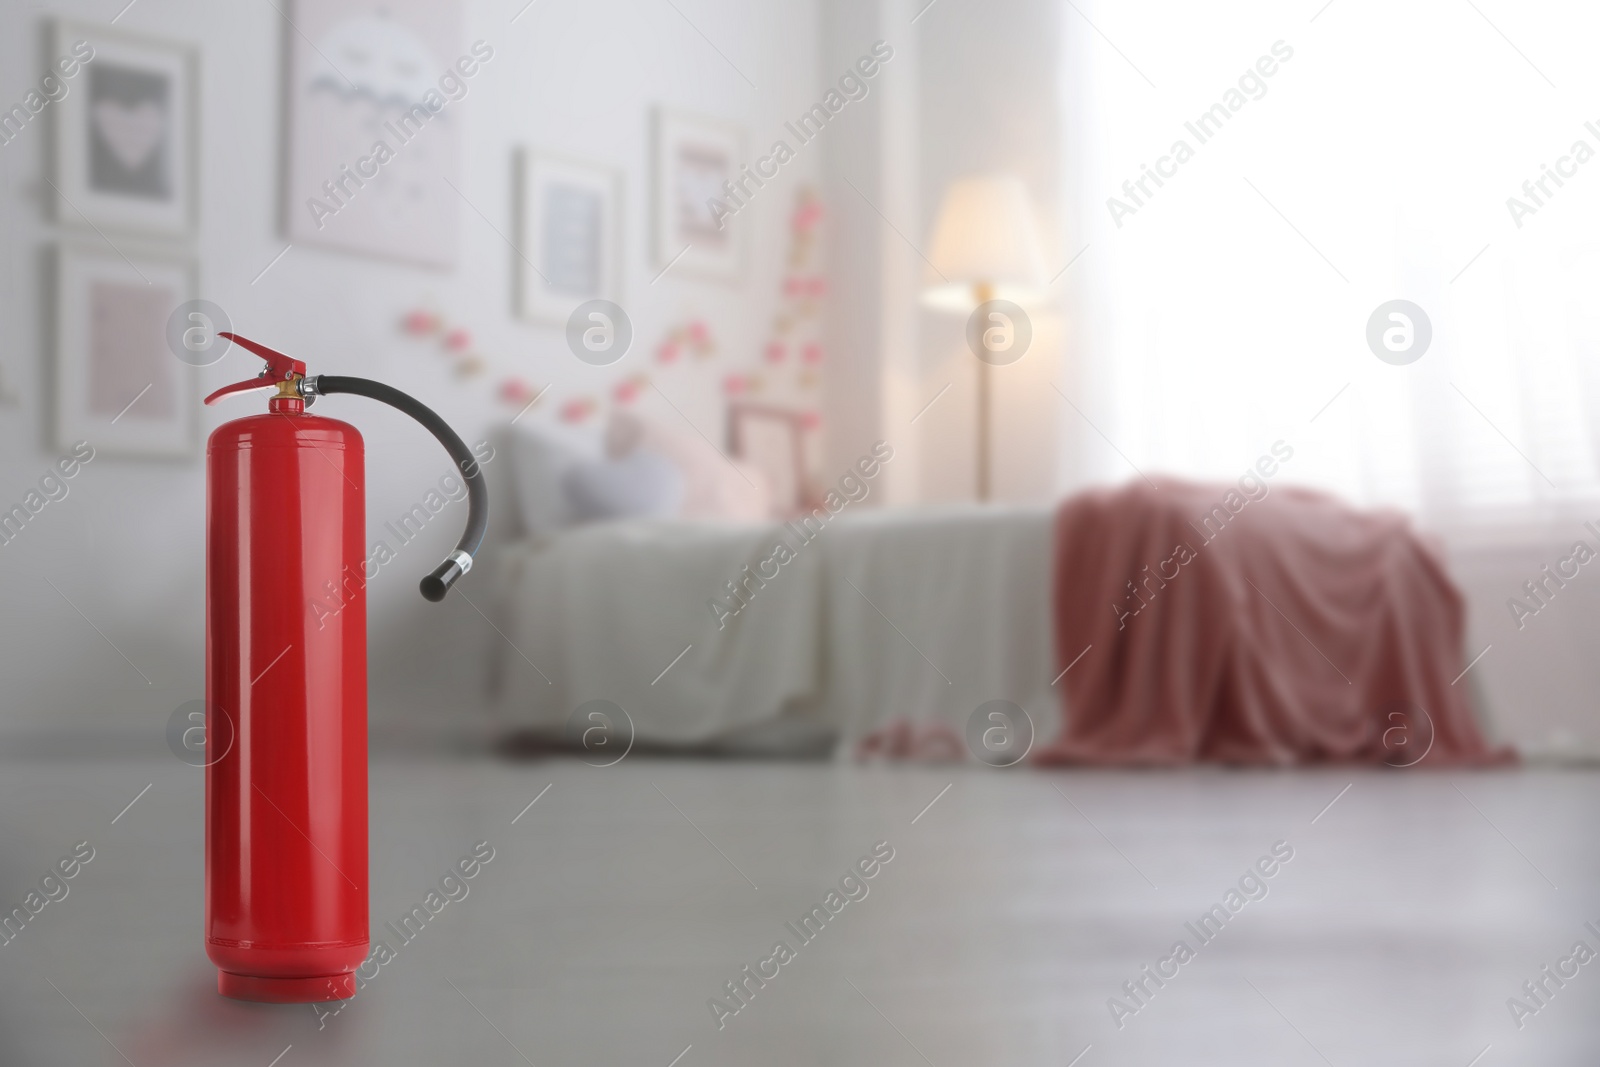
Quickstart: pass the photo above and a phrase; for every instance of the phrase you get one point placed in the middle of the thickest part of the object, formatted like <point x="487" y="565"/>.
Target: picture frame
<point x="692" y="157"/>
<point x="124" y="151"/>
<point x="569" y="227"/>
<point x="368" y="73"/>
<point x="116" y="383"/>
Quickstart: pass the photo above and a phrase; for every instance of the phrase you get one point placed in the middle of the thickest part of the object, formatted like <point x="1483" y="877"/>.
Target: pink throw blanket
<point x="1291" y="630"/>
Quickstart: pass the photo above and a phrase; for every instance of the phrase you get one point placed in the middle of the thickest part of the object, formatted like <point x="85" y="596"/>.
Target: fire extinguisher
<point x="286" y="682"/>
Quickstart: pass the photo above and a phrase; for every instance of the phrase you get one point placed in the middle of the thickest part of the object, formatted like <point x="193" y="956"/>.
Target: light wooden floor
<point x="625" y="898"/>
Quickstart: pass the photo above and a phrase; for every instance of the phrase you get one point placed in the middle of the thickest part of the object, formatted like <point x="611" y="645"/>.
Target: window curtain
<point x="1333" y="161"/>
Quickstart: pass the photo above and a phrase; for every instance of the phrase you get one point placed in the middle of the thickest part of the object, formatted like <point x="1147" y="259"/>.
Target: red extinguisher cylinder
<point x="286" y="692"/>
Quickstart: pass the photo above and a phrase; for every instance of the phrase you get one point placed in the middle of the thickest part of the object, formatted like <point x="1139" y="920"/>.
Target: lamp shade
<point x="986" y="235"/>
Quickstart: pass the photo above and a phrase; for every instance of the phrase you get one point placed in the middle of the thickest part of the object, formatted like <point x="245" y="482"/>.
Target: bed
<point x="866" y="631"/>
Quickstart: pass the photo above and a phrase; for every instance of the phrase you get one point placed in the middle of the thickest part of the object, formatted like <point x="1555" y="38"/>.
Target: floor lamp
<point x="985" y="248"/>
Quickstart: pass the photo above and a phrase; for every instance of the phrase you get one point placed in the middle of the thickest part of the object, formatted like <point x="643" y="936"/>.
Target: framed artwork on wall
<point x="117" y="383"/>
<point x="125" y="132"/>
<point x="693" y="157"/>
<point x="371" y="73"/>
<point x="570" y="231"/>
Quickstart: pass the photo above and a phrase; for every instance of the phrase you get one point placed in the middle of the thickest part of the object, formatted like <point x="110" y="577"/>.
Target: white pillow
<point x="540" y="462"/>
<point x="642" y="484"/>
<point x="714" y="487"/>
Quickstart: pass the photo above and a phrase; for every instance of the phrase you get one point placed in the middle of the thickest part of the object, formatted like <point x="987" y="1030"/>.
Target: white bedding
<point x="969" y="588"/>
<point x="599" y="612"/>
<point x="603" y="610"/>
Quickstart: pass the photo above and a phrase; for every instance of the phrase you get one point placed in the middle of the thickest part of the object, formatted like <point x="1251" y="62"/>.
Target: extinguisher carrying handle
<point x="459" y="562"/>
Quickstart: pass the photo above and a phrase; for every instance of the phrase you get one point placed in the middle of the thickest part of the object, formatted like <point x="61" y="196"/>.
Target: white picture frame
<point x="692" y="157"/>
<point x="362" y="73"/>
<point x="569" y="222"/>
<point x="124" y="136"/>
<point x="116" y="382"/>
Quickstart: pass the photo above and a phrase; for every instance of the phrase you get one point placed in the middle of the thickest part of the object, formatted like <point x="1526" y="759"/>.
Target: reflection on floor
<point x="1015" y="907"/>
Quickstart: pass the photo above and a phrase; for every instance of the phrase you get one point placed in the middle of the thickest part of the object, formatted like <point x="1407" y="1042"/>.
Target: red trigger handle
<point x="279" y="368"/>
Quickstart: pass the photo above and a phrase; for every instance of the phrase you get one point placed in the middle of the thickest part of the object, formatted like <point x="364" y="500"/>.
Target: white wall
<point x="868" y="169"/>
<point x="127" y="546"/>
<point x="1537" y="681"/>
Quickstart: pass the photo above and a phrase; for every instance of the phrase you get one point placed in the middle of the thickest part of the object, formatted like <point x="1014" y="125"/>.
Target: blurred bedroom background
<point x="886" y="283"/>
<point x="1184" y="340"/>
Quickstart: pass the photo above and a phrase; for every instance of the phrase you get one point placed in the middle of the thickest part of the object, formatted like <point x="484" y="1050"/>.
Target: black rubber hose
<point x="437" y="584"/>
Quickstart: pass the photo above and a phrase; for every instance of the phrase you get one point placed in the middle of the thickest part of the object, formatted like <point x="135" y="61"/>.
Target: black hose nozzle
<point x="437" y="584"/>
<point x="459" y="562"/>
